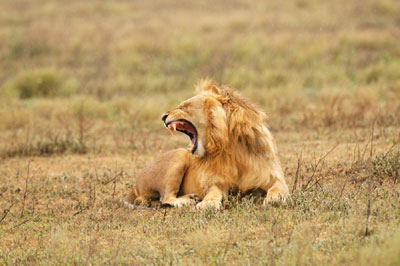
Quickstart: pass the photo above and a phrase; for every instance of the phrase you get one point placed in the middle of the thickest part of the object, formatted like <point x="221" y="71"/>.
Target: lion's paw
<point x="209" y="204"/>
<point x="183" y="201"/>
<point x="194" y="197"/>
<point x="271" y="200"/>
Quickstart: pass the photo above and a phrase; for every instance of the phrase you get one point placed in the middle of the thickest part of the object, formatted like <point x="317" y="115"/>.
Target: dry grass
<point x="82" y="88"/>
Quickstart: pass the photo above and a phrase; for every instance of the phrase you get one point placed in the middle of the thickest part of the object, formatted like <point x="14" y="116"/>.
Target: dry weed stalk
<point x="26" y="189"/>
<point x="28" y="138"/>
<point x="370" y="188"/>
<point x="6" y="212"/>
<point x="21" y="223"/>
<point x="368" y="215"/>
<point x="321" y="160"/>
<point x="298" y="170"/>
<point x="92" y="191"/>
<point x="84" y="125"/>
<point x="114" y="180"/>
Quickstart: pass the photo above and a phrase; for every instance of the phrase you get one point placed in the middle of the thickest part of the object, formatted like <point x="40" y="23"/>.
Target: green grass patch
<point x="42" y="83"/>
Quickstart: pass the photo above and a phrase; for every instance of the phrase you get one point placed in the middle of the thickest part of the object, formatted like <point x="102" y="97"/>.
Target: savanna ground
<point x="83" y="85"/>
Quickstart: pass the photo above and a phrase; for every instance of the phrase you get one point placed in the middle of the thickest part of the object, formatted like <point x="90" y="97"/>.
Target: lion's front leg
<point x="212" y="199"/>
<point x="275" y="186"/>
<point x="278" y="192"/>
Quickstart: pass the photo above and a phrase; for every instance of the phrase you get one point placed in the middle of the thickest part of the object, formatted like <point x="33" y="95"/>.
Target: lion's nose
<point x="164" y="117"/>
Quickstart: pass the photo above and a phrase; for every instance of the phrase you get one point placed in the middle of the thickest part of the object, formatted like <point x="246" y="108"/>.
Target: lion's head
<point x="218" y="120"/>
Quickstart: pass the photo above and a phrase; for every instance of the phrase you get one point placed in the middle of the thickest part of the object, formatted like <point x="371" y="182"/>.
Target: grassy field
<point x="83" y="85"/>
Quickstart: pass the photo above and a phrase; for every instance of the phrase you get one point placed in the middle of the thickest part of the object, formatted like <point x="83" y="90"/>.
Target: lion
<point x="231" y="150"/>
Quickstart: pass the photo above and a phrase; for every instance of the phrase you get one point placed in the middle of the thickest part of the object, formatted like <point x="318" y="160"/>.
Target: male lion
<point x="231" y="150"/>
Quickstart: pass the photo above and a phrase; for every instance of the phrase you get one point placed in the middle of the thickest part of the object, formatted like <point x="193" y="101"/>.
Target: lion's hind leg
<point x="161" y="180"/>
<point x="134" y="198"/>
<point x="172" y="180"/>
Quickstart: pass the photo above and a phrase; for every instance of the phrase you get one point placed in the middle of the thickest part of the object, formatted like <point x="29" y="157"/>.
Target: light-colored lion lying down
<point x="231" y="150"/>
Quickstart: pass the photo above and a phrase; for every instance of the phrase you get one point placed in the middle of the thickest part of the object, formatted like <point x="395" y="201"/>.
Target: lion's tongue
<point x="186" y="127"/>
<point x="183" y="127"/>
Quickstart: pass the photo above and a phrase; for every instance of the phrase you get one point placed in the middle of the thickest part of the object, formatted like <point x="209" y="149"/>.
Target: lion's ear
<point x="208" y="85"/>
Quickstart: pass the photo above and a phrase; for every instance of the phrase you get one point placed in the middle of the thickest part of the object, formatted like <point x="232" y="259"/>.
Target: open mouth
<point x="186" y="127"/>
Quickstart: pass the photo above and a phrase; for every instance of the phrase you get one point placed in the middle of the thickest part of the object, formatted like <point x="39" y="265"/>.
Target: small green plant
<point x="38" y="84"/>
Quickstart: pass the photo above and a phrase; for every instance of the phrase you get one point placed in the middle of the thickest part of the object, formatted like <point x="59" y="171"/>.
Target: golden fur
<point x="235" y="152"/>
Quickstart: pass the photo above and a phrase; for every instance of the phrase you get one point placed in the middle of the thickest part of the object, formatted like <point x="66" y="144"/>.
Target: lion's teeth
<point x="171" y="130"/>
<point x="174" y="126"/>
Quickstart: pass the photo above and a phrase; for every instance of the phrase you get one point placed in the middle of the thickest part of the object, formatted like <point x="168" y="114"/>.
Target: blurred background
<point x="74" y="69"/>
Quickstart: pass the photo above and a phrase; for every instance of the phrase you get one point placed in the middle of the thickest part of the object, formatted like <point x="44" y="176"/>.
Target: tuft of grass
<point x="42" y="83"/>
<point x="12" y="118"/>
<point x="46" y="147"/>
<point x="387" y="166"/>
<point x="88" y="108"/>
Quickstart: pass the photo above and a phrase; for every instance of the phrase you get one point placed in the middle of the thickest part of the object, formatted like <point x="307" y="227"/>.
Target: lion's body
<point x="235" y="151"/>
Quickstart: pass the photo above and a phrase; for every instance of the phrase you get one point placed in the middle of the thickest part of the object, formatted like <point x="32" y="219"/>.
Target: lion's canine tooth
<point x="174" y="126"/>
<point x="171" y="130"/>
